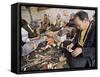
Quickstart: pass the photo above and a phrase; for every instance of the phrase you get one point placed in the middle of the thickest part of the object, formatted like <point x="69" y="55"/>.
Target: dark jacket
<point x="91" y="37"/>
<point x="88" y="49"/>
<point x="30" y="33"/>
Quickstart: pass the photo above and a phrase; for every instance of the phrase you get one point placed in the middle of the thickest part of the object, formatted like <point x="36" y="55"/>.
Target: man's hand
<point x="76" y="52"/>
<point x="70" y="45"/>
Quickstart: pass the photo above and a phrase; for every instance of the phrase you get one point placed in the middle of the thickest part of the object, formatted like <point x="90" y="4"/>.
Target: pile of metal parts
<point x="51" y="58"/>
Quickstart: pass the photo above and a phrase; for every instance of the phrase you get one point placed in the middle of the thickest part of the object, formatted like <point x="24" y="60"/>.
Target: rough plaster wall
<point x="52" y="12"/>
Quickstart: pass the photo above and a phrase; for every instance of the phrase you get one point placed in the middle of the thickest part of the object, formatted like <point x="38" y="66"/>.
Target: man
<point x="27" y="33"/>
<point x="65" y="16"/>
<point x="71" y="21"/>
<point x="45" y="24"/>
<point x="26" y="27"/>
<point x="58" y="22"/>
<point x="24" y="32"/>
<point x="83" y="54"/>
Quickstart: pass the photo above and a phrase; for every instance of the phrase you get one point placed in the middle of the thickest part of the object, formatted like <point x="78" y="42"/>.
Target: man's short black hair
<point x="23" y="22"/>
<point x="82" y="15"/>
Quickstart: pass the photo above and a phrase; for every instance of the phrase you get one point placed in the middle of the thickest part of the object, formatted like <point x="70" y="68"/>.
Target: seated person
<point x="69" y="31"/>
<point x="65" y="16"/>
<point x="45" y="23"/>
<point x="24" y="32"/>
<point x="31" y="33"/>
<point x="71" y="21"/>
<point x="58" y="23"/>
<point x="27" y="34"/>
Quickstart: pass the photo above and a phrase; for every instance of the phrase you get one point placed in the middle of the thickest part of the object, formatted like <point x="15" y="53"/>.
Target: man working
<point x="45" y="24"/>
<point x="58" y="22"/>
<point x="84" y="45"/>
